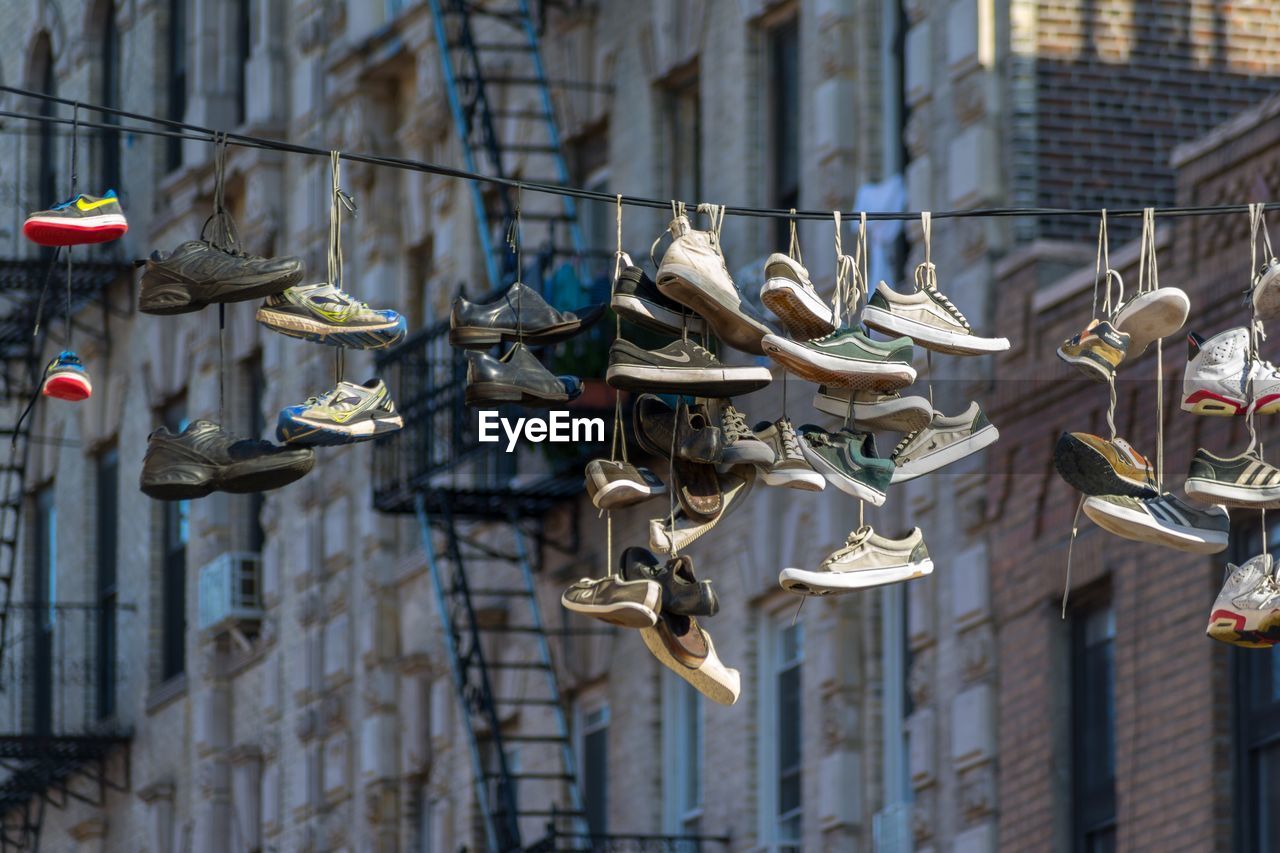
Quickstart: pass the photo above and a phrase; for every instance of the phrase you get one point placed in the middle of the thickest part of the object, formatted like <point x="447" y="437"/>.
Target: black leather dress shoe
<point x="517" y="377"/>
<point x="697" y="439"/>
<point x="520" y="314"/>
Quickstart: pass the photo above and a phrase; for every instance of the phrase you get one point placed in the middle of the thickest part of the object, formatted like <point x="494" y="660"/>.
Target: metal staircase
<point x="504" y="116"/>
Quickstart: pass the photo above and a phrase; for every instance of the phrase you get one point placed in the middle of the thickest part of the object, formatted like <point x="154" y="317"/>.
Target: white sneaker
<point x="693" y="272"/>
<point x="789" y="294"/>
<point x="1247" y="610"/>
<point x="1266" y="291"/>
<point x="927" y="317"/>
<point x="865" y="560"/>
<point x="875" y="409"/>
<point x="1149" y="316"/>
<point x="1162" y="520"/>
<point x="1214" y="382"/>
<point x="945" y="440"/>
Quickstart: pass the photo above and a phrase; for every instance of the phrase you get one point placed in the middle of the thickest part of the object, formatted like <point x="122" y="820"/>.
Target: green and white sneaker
<point x="849" y="462"/>
<point x="1241" y="481"/>
<point x="347" y="414"/>
<point x="875" y="409"/>
<point x="945" y="440"/>
<point x="846" y="358"/>
<point x="865" y="560"/>
<point x="1162" y="520"/>
<point x="323" y="314"/>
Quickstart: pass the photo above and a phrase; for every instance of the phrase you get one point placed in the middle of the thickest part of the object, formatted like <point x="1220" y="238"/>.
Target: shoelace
<point x="735" y="425"/>
<point x="819" y="439"/>
<point x="927" y="280"/>
<point x="904" y="441"/>
<point x="851" y="543"/>
<point x="790" y="442"/>
<point x="702" y="351"/>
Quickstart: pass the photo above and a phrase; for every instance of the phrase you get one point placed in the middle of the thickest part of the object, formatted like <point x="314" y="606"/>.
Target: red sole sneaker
<point x="67" y="234"/>
<point x="68" y="387"/>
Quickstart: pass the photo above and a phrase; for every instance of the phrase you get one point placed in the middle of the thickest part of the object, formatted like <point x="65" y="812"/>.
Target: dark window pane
<point x="1267" y="799"/>
<point x="107" y="525"/>
<point x="243" y="46"/>
<point x="110" y="96"/>
<point x="682" y="118"/>
<point x="595" y="794"/>
<point x="174" y="591"/>
<point x="783" y="51"/>
<point x="177" y="74"/>
<point x="1093" y="728"/>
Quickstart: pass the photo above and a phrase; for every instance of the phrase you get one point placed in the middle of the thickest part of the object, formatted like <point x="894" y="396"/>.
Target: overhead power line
<point x="185" y="130"/>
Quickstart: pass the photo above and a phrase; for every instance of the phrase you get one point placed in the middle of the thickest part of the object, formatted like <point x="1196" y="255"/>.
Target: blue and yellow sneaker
<point x="347" y="414"/>
<point x="78" y="221"/>
<point x="66" y="379"/>
<point x="323" y="314"/>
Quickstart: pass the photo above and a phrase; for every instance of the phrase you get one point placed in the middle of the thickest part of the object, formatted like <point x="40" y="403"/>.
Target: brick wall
<point x="1119" y="83"/>
<point x="1172" y="732"/>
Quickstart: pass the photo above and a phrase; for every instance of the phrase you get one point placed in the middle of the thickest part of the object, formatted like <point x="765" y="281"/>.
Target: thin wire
<point x="184" y="130"/>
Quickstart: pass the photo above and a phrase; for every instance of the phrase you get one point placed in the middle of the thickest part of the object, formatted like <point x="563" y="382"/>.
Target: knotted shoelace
<point x="851" y="544"/>
<point x="735" y="425"/>
<point x="790" y="442"/>
<point x="904" y="441"/>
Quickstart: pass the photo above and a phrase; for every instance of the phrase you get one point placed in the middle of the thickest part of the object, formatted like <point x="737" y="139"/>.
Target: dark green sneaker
<point x="846" y="358"/>
<point x="849" y="462"/>
<point x="1243" y="481"/>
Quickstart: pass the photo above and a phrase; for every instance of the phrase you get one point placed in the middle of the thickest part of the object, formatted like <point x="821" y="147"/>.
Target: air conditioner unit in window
<point x="230" y="592"/>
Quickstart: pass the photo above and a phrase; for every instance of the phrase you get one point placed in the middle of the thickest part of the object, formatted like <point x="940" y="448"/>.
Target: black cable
<point x="190" y="131"/>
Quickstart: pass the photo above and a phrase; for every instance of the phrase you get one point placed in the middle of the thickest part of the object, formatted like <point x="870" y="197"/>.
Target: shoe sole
<point x="901" y="415"/>
<point x="794" y="478"/>
<point x="1231" y="495"/>
<point x="944" y="456"/>
<point x="711" y="678"/>
<point x="179" y="483"/>
<point x="687" y="286"/>
<point x="654" y="317"/>
<point x="839" y="372"/>
<point x="1151" y="316"/>
<point x="1218" y="405"/>
<point x="1228" y="626"/>
<point x="1088" y="471"/>
<point x="938" y="340"/>
<point x="686" y="536"/>
<point x="620" y="493"/>
<point x="88" y="230"/>
<point x="480" y="337"/>
<point x="804" y="582"/>
<point x="1090" y="366"/>
<point x="1140" y="527"/>
<point x="479" y="394"/>
<point x="304" y="433"/>
<point x="625" y="614"/>
<point x="351" y="337"/>
<point x="686" y="474"/>
<point x="840" y="480"/>
<point x="249" y="477"/>
<point x="794" y="306"/>
<point x="753" y="453"/>
<point x="163" y="293"/>
<point x="73" y="389"/>
<point x="700" y="382"/>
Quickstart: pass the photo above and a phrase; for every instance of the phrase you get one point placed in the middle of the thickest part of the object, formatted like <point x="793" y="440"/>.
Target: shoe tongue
<point x="1194" y="343"/>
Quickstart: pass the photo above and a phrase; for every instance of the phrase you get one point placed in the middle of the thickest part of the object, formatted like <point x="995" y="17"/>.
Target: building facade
<point x="919" y="717"/>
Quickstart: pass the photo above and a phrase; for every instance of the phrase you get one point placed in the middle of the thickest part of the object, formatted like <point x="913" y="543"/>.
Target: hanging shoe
<point x="323" y="314"/>
<point x="517" y="377"/>
<point x="520" y="314"/>
<point x="697" y="438"/>
<point x="682" y="593"/>
<point x="637" y="299"/>
<point x="680" y="367"/>
<point x="1265" y="293"/>
<point x="1246" y="612"/>
<point x="1096" y="466"/>
<point x="848" y="460"/>
<point x="614" y="485"/>
<point x="927" y="317"/>
<point x="697" y="490"/>
<point x="1217" y="373"/>
<point x="66" y="378"/>
<point x="197" y="274"/>
<point x="205" y="458"/>
<point x="1162" y="520"/>
<point x="82" y="220"/>
<point x="875" y="409"/>
<point x="1243" y="481"/>
<point x="741" y="446"/>
<point x="846" y="358"/>
<point x="789" y="294"/>
<point x="1150" y="316"/>
<point x="1096" y="351"/>
<point x="789" y="468"/>
<point x="347" y="414"/>
<point x="693" y="272"/>
<point x="865" y="560"/>
<point x="627" y="603"/>
<point x="734" y="486"/>
<point x="945" y="440"/>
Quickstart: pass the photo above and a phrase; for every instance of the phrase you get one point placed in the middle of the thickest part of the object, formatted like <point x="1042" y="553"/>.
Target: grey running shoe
<point x="614" y="485"/>
<point x="789" y="294"/>
<point x="348" y="413"/>
<point x="735" y="486"/>
<point x="323" y="314"/>
<point x="517" y="377"/>
<point x="697" y="438"/>
<point x="631" y="604"/>
<point x="741" y="447"/>
<point x="1247" y="610"/>
<point x="789" y="467"/>
<point x="927" y="317"/>
<point x="848" y="460"/>
<point x="196" y="274"/>
<point x="865" y="560"/>
<point x="875" y="409"/>
<point x="1099" y="466"/>
<point x="519" y="315"/>
<point x="945" y="440"/>
<point x="204" y="458"/>
<point x="1240" y="481"/>
<point x="1162" y="520"/>
<point x="637" y="299"/>
<point x="680" y="367"/>
<point x="846" y="358"/>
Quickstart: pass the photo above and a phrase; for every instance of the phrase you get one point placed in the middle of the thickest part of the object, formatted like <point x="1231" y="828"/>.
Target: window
<point x="425" y="825"/>
<point x="595" y="768"/>
<point x="177" y="75"/>
<point x="174" y="537"/>
<point x="782" y="119"/>
<point x="1255" y="677"/>
<point x="779" y="740"/>
<point x="45" y="581"/>
<point x="682" y="136"/>
<point x="1093" y="777"/>
<point x="892" y="824"/>
<point x="109" y="96"/>
<point x="682" y="756"/>
<point x="254" y="424"/>
<point x="243" y="46"/>
<point x="588" y="155"/>
<point x="46" y="155"/>
<point x="108" y="518"/>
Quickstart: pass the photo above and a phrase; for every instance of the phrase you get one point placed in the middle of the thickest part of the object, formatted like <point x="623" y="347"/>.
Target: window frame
<point x="594" y="719"/>
<point x="109" y="46"/>
<point x="780" y="131"/>
<point x="174" y="542"/>
<point x="179" y="66"/>
<point x="1088" y="819"/>
<point x="107" y="591"/>
<point x="773" y="667"/>
<point x="683" y="736"/>
<point x="44" y="583"/>
<point x="681" y="88"/>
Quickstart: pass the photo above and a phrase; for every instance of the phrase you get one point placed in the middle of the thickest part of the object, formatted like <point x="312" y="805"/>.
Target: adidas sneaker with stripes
<point x="1241" y="481"/>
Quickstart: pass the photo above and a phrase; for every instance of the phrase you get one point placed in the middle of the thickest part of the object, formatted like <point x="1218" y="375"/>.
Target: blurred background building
<point x="303" y="671"/>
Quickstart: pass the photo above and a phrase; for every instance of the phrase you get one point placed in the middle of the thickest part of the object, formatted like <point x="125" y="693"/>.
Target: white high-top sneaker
<point x="1247" y="610"/>
<point x="1217" y="372"/>
<point x="693" y="272"/>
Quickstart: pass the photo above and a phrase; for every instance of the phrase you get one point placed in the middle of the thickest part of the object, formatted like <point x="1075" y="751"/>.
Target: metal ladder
<point x="479" y="667"/>
<point x="492" y="68"/>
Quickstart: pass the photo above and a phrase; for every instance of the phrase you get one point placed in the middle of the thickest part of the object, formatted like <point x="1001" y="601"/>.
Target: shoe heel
<point x="469" y="337"/>
<point x="486" y="394"/>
